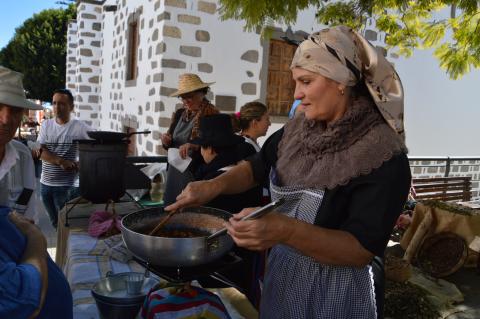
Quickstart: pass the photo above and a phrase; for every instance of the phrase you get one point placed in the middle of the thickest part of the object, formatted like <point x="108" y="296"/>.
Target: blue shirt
<point x="20" y="284"/>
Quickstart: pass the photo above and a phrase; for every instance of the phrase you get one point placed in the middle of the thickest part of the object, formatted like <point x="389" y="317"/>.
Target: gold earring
<point x="342" y="91"/>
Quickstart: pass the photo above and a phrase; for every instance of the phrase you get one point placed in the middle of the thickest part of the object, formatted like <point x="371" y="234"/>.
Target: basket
<point x="442" y="254"/>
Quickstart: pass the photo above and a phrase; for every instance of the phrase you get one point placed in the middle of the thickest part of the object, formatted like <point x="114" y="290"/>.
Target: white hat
<point x="12" y="92"/>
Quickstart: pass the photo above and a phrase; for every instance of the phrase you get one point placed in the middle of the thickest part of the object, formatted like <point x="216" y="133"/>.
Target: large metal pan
<point x="176" y="252"/>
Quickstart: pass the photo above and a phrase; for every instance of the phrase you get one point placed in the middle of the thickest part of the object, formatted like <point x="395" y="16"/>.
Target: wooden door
<point x="280" y="86"/>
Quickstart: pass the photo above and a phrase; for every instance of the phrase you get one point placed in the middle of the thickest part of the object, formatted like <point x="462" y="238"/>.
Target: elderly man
<point x="59" y="180"/>
<point x="31" y="285"/>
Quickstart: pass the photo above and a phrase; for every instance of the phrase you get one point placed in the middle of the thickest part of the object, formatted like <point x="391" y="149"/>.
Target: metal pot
<point x="176" y="252"/>
<point x="108" y="136"/>
<point x="102" y="170"/>
<point x="113" y="300"/>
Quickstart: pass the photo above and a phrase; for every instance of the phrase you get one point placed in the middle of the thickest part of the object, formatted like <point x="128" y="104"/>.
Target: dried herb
<point x="406" y="301"/>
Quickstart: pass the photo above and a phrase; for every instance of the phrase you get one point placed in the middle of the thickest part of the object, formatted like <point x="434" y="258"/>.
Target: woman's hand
<point x="185" y="149"/>
<point x="166" y="139"/>
<point x="262" y="233"/>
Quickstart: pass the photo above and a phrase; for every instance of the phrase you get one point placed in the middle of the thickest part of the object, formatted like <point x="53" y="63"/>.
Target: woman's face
<point x="321" y="97"/>
<point x="192" y="100"/>
<point x="262" y="124"/>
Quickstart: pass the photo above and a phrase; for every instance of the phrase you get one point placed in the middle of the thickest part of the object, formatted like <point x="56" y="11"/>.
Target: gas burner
<point x="187" y="274"/>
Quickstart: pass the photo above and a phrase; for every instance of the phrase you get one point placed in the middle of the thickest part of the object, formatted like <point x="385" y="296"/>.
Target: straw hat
<point x="189" y="82"/>
<point x="12" y="92"/>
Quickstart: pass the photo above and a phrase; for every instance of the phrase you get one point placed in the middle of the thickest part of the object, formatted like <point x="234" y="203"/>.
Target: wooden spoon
<point x="163" y="222"/>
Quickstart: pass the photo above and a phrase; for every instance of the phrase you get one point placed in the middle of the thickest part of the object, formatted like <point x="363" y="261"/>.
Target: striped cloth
<point x="59" y="140"/>
<point x="178" y="302"/>
<point x="296" y="286"/>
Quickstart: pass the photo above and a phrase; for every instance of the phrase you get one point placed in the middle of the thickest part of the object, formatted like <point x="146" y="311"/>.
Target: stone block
<point x="166" y="91"/>
<point x="151" y="92"/>
<point x="149" y="52"/>
<point x="161" y="47"/>
<point x="172" y="32"/>
<point x="249" y="88"/>
<point x="159" y="106"/>
<point x="205" y="67"/>
<point x="164" y="121"/>
<point x="173" y="63"/>
<point x="226" y="103"/>
<point x="186" y="18"/>
<point x="149" y="146"/>
<point x="249" y="74"/>
<point x="140" y="110"/>
<point x="150" y="23"/>
<point x="84" y="107"/>
<point x="156" y="135"/>
<point x="371" y="35"/>
<point x="250" y="56"/>
<point x="93" y="79"/>
<point x="191" y="50"/>
<point x="208" y="7"/>
<point x="202" y="36"/>
<point x="87" y="34"/>
<point x="86" y="70"/>
<point x="156" y="5"/>
<point x="84" y="88"/>
<point x="165" y="15"/>
<point x="154" y="64"/>
<point x="93" y="99"/>
<point x="86" y="52"/>
<point x="147" y="80"/>
<point x="150" y="120"/>
<point x="95" y="44"/>
<point x="155" y="35"/>
<point x="157" y="77"/>
<point x="176" y="3"/>
<point x="93" y="115"/>
<point x="97" y="26"/>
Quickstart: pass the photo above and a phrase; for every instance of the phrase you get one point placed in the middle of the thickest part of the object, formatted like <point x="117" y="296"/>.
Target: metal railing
<point x="445" y="166"/>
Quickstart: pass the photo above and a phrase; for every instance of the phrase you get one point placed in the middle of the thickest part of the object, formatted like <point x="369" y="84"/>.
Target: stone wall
<point x="71" y="70"/>
<point x="87" y="65"/>
<point x="425" y="168"/>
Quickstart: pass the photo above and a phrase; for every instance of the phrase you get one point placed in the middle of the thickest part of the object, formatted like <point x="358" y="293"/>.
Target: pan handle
<point x="141" y="132"/>
<point x="254" y="215"/>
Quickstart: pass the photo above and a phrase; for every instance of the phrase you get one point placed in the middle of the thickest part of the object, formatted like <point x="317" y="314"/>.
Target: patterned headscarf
<point x="343" y="55"/>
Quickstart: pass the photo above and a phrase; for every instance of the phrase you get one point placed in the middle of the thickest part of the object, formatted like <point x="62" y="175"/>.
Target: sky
<point x="442" y="116"/>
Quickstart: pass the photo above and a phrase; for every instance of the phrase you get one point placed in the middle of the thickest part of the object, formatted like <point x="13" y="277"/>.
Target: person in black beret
<point x="219" y="148"/>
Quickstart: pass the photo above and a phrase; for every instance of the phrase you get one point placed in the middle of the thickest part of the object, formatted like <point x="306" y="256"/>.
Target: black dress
<point x="367" y="207"/>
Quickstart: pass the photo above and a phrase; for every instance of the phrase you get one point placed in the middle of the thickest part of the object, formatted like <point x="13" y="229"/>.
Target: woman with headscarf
<point x="184" y="128"/>
<point x="343" y="170"/>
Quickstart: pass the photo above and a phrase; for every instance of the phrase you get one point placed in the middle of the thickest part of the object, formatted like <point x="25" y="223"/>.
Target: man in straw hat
<point x="31" y="285"/>
<point x="184" y="128"/>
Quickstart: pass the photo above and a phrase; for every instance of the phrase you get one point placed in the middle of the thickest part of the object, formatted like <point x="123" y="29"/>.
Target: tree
<point x="408" y="25"/>
<point x="38" y="50"/>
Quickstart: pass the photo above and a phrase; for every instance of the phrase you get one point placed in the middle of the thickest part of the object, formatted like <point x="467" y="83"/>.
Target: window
<point x="132" y="52"/>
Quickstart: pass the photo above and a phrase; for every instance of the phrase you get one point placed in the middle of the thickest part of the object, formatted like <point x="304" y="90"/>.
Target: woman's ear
<point x="341" y="89"/>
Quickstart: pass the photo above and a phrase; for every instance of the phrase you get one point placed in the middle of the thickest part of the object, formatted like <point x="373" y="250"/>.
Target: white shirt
<point x="59" y="140"/>
<point x="16" y="173"/>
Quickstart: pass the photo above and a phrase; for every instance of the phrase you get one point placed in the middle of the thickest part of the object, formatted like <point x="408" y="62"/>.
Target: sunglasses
<point x="187" y="96"/>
